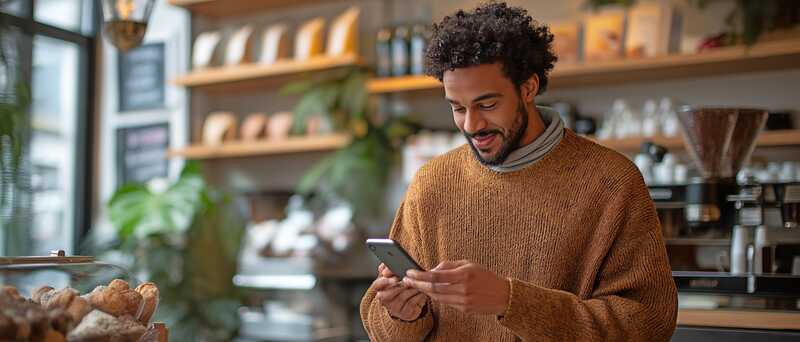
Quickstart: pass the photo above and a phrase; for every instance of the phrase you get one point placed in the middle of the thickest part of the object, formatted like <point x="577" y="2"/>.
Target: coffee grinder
<point x="719" y="142"/>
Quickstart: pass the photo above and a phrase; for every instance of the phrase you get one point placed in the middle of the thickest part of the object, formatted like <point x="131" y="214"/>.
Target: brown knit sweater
<point x="576" y="233"/>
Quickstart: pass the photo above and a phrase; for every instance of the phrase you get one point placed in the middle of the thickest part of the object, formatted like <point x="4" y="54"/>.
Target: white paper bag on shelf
<point x="343" y="35"/>
<point x="308" y="42"/>
<point x="205" y="46"/>
<point x="240" y="46"/>
<point x="275" y="44"/>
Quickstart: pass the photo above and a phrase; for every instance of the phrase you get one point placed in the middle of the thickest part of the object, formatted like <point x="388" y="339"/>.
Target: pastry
<point x="78" y="309"/>
<point x="54" y="336"/>
<point x="37" y="295"/>
<point x="133" y="302"/>
<point x="61" y="299"/>
<point x="118" y="285"/>
<point x="60" y="320"/>
<point x="109" y="301"/>
<point x="149" y="293"/>
<point x="100" y="326"/>
<point x="10" y="292"/>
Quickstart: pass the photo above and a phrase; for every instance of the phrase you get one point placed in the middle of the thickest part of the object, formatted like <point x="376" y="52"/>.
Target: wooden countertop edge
<point x="744" y="319"/>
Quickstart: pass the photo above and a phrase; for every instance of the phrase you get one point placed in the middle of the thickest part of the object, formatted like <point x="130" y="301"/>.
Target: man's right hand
<point x="402" y="302"/>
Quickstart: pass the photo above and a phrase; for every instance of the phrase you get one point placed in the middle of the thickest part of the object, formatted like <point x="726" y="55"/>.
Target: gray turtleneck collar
<point x="541" y="146"/>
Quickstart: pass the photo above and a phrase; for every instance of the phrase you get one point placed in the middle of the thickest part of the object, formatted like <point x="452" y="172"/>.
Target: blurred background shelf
<point x="262" y="148"/>
<point x="227" y="8"/>
<point x="255" y="74"/>
<point x="766" y="56"/>
<point x="765" y="139"/>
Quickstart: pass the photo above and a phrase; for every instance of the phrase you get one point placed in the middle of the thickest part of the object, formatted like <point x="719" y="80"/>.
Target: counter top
<point x="744" y="319"/>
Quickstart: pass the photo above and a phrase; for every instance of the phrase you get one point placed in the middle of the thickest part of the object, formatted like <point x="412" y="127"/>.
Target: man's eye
<point x="459" y="109"/>
<point x="488" y="106"/>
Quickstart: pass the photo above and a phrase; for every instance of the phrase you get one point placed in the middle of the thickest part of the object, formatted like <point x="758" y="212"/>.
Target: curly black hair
<point x="492" y="32"/>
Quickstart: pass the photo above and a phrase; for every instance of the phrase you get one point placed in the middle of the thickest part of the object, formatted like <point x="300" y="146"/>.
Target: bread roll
<point x="61" y="299"/>
<point x="10" y="292"/>
<point x="78" y="309"/>
<point x="150" y="294"/>
<point x="37" y="295"/>
<point x="109" y="301"/>
<point x="133" y="302"/>
<point x="118" y="285"/>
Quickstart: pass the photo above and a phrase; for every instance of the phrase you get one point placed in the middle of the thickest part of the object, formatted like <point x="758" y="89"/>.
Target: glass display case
<point x="75" y="298"/>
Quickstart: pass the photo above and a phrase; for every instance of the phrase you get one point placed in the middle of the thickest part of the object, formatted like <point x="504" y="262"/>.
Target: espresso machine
<point x="719" y="142"/>
<point x="751" y="227"/>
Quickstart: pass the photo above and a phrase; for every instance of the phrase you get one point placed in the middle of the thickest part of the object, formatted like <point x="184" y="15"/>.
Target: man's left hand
<point x="465" y="286"/>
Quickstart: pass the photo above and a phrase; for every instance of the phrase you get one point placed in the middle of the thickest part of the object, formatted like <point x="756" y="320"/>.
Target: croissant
<point x="149" y="293"/>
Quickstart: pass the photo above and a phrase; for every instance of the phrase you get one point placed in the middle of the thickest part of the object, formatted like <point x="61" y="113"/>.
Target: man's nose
<point x="473" y="122"/>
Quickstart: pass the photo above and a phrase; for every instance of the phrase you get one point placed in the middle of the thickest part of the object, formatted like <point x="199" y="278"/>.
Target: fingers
<point x="383" y="283"/>
<point x="455" y="275"/>
<point x="435" y="288"/>
<point x="449" y="299"/>
<point x="446" y="265"/>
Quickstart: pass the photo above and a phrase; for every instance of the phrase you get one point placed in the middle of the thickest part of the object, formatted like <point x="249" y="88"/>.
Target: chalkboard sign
<point x="141" y="78"/>
<point x="142" y="153"/>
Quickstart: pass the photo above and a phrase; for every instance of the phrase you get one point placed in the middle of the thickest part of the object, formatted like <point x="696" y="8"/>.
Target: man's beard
<point x="511" y="139"/>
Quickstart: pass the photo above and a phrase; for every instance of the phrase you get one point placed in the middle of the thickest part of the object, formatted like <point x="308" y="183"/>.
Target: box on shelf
<point x="604" y="34"/>
<point x="653" y="29"/>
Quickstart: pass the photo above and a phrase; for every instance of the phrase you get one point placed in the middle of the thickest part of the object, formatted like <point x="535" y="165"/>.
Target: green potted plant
<point x="358" y="173"/>
<point x="185" y="237"/>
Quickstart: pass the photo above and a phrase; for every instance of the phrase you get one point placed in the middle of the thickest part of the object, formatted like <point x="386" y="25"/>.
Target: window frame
<point x="85" y="127"/>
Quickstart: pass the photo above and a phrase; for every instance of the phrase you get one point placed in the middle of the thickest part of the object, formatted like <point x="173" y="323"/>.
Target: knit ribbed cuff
<point x="529" y="308"/>
<point x="400" y="329"/>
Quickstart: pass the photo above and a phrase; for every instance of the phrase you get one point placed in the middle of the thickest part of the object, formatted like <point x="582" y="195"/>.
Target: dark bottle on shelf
<point x="400" y="51"/>
<point x="419" y="42"/>
<point x="384" y="52"/>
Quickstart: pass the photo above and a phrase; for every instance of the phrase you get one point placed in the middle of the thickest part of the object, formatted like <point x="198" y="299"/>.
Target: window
<point x="55" y="47"/>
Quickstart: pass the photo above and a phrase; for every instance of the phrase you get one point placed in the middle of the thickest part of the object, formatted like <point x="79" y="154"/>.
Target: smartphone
<point x="393" y="256"/>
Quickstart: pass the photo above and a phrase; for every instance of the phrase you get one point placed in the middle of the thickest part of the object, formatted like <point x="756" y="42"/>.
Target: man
<point x="529" y="232"/>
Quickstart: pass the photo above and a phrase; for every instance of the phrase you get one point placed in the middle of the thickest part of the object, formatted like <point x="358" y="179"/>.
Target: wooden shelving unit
<point x="773" y="320"/>
<point x="253" y="74"/>
<point x="262" y="148"/>
<point x="765" y="139"/>
<point x="765" y="56"/>
<point x="227" y="8"/>
<point x="399" y="84"/>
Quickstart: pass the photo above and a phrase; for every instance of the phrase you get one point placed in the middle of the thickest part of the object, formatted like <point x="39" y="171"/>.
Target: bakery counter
<point x="727" y="318"/>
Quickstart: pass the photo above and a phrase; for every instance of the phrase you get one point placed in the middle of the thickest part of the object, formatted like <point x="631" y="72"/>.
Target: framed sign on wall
<point x="142" y="153"/>
<point x="141" y="78"/>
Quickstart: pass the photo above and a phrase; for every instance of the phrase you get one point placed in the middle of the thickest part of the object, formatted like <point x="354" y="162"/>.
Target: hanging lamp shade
<point x="125" y="22"/>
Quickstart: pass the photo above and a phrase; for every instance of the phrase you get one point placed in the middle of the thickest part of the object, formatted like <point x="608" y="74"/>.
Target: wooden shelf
<point x="751" y="319"/>
<point x="765" y="56"/>
<point x="765" y="139"/>
<point x="262" y="148"/>
<point x="231" y="75"/>
<point x="399" y="84"/>
<point x="226" y="8"/>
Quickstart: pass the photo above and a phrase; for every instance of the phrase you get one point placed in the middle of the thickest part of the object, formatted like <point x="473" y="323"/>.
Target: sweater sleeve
<point x="634" y="298"/>
<point x="380" y="326"/>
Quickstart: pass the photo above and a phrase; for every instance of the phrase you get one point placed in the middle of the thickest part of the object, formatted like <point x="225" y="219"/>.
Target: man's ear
<point x="530" y="88"/>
